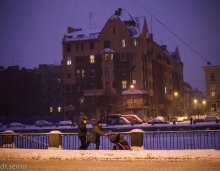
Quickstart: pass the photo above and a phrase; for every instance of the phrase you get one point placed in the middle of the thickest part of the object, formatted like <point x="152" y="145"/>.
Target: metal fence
<point x="27" y="140"/>
<point x="163" y="140"/>
<point x="181" y="140"/>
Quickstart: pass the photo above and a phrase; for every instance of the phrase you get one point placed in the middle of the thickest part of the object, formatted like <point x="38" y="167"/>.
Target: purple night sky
<point x="31" y="31"/>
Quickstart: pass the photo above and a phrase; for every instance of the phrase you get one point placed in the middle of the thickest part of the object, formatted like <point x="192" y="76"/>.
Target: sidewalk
<point x="135" y="154"/>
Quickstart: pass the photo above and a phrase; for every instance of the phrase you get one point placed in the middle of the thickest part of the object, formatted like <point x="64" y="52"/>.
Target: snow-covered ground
<point x="134" y="154"/>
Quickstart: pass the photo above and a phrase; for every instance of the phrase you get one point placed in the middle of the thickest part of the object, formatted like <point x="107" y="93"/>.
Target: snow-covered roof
<point x="107" y="50"/>
<point x="82" y="35"/>
<point x="135" y="91"/>
<point x="134" y="24"/>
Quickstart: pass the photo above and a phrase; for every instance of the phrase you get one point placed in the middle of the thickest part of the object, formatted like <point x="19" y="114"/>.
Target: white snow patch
<point x="137" y="130"/>
<point x="52" y="154"/>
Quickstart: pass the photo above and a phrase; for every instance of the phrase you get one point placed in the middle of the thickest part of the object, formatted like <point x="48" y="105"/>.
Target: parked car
<point x="42" y="123"/>
<point x="200" y="119"/>
<point x="157" y="121"/>
<point x="113" y="119"/>
<point x="133" y="119"/>
<point x="65" y="123"/>
<point x="160" y="118"/>
<point x="16" y="125"/>
<point x="124" y="121"/>
<point x="212" y="119"/>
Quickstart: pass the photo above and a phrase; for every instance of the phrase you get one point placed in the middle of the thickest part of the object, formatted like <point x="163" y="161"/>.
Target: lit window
<point x="92" y="59"/>
<point x="111" y="56"/>
<point x="123" y="43"/>
<point x="59" y="109"/>
<point x="135" y="42"/>
<point x="77" y="73"/>
<point x="69" y="62"/>
<point x="58" y="80"/>
<point x="213" y="93"/>
<point x="108" y="57"/>
<point x="134" y="81"/>
<point x="83" y="73"/>
<point x="124" y="84"/>
<point x="51" y="109"/>
<point x="165" y="90"/>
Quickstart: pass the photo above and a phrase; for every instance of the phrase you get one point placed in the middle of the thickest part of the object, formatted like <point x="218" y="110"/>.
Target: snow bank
<point x="52" y="154"/>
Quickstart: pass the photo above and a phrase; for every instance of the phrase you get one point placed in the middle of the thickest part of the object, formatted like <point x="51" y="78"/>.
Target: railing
<point x="27" y="140"/>
<point x="71" y="141"/>
<point x="163" y="140"/>
<point x="181" y="140"/>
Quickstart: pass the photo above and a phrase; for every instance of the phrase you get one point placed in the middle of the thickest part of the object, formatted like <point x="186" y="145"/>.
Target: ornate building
<point x="120" y="68"/>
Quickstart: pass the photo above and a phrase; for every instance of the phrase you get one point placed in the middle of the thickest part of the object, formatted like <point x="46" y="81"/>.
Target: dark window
<point x="123" y="71"/>
<point x="91" y="45"/>
<point x="107" y="84"/>
<point x="114" y="31"/>
<point x="68" y="48"/>
<point x="69" y="75"/>
<point x="123" y="57"/>
<point x="107" y="44"/>
<point x="82" y="47"/>
<point x="92" y="73"/>
<point x="68" y="87"/>
<point x="92" y="85"/>
<point x="212" y="77"/>
<point x="77" y="47"/>
<point x="106" y="71"/>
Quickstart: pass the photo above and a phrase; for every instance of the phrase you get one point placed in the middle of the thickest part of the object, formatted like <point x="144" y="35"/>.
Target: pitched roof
<point x="135" y="26"/>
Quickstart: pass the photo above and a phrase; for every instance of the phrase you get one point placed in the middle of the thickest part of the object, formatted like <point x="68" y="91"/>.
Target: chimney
<point x="119" y="11"/>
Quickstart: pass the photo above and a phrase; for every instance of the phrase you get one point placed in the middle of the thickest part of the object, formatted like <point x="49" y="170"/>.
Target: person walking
<point x="94" y="136"/>
<point x="82" y="132"/>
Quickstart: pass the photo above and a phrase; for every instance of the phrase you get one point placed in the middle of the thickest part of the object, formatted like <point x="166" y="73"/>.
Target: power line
<point x="173" y="33"/>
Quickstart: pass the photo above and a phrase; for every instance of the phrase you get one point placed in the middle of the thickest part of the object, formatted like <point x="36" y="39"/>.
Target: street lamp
<point x="176" y="94"/>
<point x="175" y="104"/>
<point x="197" y="107"/>
<point x="204" y="102"/>
<point x="132" y="88"/>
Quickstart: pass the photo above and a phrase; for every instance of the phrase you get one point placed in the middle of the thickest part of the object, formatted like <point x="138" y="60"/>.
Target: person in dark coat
<point x="94" y="136"/>
<point x="82" y="132"/>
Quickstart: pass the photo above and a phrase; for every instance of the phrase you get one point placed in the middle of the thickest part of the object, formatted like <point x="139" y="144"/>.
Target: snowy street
<point x="136" y="159"/>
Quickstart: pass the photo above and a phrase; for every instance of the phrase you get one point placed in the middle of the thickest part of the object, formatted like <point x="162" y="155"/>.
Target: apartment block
<point x="119" y="69"/>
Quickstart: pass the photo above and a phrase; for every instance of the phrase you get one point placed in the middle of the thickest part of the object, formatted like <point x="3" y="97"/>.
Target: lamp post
<point x="176" y="94"/>
<point x="132" y="88"/>
<point x="195" y="101"/>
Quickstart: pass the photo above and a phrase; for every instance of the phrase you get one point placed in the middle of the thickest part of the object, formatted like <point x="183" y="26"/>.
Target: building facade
<point x="20" y="94"/>
<point x="212" y="79"/>
<point x="119" y="68"/>
<point x="28" y="95"/>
